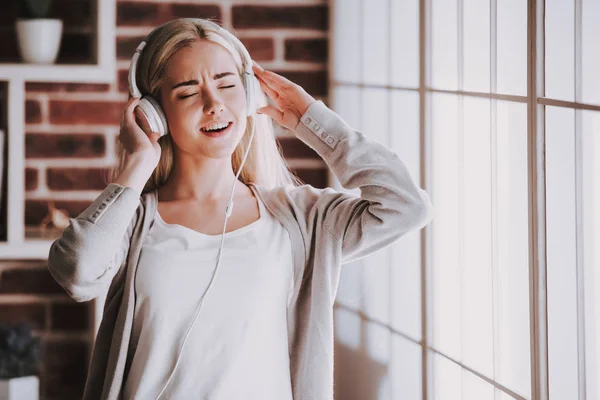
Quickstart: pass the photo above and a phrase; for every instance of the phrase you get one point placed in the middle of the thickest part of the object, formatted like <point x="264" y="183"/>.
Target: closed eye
<point x="193" y="94"/>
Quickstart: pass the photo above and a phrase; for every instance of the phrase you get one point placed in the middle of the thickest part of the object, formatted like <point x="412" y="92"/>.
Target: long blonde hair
<point x="264" y="166"/>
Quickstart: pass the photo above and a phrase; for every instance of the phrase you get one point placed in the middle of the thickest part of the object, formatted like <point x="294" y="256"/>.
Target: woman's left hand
<point x="291" y="99"/>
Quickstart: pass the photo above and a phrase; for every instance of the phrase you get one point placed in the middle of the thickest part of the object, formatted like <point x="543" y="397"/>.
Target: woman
<point x="152" y="240"/>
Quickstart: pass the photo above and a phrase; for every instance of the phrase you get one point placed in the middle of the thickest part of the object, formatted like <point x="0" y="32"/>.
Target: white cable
<point x="228" y="211"/>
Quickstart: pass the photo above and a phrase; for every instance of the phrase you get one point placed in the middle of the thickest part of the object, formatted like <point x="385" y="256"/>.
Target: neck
<point x="201" y="179"/>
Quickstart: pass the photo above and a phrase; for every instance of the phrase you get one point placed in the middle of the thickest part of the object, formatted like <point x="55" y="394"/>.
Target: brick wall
<point x="29" y="295"/>
<point x="72" y="128"/>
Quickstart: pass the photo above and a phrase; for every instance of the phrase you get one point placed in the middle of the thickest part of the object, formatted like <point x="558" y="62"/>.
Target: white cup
<point x="39" y="39"/>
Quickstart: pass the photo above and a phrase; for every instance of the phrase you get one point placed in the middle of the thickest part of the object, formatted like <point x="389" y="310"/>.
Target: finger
<point x="268" y="90"/>
<point x="133" y="102"/>
<point x="264" y="84"/>
<point x="271" y="112"/>
<point x="154" y="136"/>
<point x="130" y="112"/>
<point x="256" y="66"/>
<point x="276" y="81"/>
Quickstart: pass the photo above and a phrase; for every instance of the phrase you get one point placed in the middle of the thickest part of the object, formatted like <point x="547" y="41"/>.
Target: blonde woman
<point x="207" y="300"/>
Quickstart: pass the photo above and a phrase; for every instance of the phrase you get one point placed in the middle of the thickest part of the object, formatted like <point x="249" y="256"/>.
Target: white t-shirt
<point x="238" y="347"/>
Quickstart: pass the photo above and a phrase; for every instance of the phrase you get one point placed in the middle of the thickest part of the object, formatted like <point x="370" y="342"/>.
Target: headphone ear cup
<point x="251" y="86"/>
<point x="155" y="117"/>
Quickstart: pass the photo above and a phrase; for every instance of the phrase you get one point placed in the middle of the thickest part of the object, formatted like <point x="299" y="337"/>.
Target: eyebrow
<point x="195" y="81"/>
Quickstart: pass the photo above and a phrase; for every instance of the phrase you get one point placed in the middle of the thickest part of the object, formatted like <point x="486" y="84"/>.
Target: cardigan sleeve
<point x="390" y="202"/>
<point x="86" y="257"/>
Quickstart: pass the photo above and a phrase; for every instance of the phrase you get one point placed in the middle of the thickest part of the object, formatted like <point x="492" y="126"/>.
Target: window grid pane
<point x="446" y="195"/>
<point x="590" y="52"/>
<point x="375" y="42"/>
<point x="560" y="49"/>
<point x="405" y="271"/>
<point x="511" y="58"/>
<point x="476" y="43"/>
<point x="591" y="254"/>
<point x="476" y="285"/>
<point x="513" y="365"/>
<point x="444" y="38"/>
<point x="561" y="253"/>
<point x="405" y="43"/>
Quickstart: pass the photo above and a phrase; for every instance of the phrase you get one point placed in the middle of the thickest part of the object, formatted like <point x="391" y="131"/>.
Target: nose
<point x="213" y="103"/>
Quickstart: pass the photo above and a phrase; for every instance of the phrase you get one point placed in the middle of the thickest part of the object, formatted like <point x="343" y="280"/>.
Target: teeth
<point x="213" y="127"/>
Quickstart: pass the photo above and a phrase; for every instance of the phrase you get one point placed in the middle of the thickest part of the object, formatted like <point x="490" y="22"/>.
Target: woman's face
<point x="202" y="86"/>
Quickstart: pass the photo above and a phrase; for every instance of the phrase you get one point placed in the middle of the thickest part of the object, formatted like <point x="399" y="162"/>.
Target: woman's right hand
<point x="135" y="141"/>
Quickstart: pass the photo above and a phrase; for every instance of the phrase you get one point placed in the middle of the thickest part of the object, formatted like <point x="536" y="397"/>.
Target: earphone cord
<point x="228" y="211"/>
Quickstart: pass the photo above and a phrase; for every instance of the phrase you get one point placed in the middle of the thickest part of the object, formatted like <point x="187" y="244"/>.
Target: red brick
<point x="63" y="87"/>
<point x="154" y="14"/>
<point x="306" y="50"/>
<point x="86" y="112"/>
<point x="139" y="14"/>
<point x="31" y="179"/>
<point x="260" y="49"/>
<point x="32" y="315"/>
<point x="295" y="148"/>
<point x="77" y="178"/>
<point x="33" y="112"/>
<point x="65" y="365"/>
<point x="122" y="84"/>
<point x="315" y="177"/>
<point x="126" y="46"/>
<point x="36" y="210"/>
<point x="312" y="17"/>
<point x="207" y="11"/>
<point x="43" y="145"/>
<point x="70" y="316"/>
<point x="29" y="281"/>
<point x="314" y="82"/>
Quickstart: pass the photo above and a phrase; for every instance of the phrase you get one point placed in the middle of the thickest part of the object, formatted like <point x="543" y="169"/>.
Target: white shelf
<point x="27" y="250"/>
<point x="58" y="73"/>
<point x="18" y="245"/>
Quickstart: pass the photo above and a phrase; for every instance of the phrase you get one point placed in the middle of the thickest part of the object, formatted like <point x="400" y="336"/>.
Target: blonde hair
<point x="264" y="166"/>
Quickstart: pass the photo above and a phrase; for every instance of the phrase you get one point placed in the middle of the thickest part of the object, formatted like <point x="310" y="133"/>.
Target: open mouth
<point x="217" y="132"/>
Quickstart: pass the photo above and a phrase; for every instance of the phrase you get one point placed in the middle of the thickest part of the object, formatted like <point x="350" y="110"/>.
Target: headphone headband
<point x="133" y="89"/>
<point x="246" y="59"/>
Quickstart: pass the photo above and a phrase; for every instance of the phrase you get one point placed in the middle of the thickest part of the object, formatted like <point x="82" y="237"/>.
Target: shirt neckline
<point x="250" y="226"/>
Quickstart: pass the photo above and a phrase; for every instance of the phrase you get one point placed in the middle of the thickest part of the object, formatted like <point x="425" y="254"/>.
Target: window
<point x="498" y="298"/>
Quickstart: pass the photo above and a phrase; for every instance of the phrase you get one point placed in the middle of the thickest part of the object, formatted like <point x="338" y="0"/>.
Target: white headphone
<point x="157" y="122"/>
<point x="150" y="107"/>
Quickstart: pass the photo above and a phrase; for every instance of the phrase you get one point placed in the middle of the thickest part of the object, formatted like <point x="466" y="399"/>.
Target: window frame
<point x="536" y="103"/>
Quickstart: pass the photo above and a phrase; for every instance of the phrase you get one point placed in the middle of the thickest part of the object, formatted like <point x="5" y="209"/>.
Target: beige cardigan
<point x="100" y="249"/>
